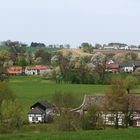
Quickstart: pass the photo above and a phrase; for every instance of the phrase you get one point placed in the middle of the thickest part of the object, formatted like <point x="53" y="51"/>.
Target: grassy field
<point x="109" y="134"/>
<point x="32" y="89"/>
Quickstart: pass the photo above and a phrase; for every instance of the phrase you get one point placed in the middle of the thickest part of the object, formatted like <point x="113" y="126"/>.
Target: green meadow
<point x="109" y="134"/>
<point x="32" y="89"/>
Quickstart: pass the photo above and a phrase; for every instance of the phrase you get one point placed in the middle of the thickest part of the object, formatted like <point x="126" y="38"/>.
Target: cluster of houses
<point x="29" y="70"/>
<point x="119" y="46"/>
<point x="111" y="66"/>
<point x="41" y="111"/>
<point x="129" y="66"/>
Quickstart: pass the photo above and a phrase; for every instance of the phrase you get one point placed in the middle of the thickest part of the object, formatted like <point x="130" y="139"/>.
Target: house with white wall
<point x="41" y="112"/>
<point x="36" y="70"/>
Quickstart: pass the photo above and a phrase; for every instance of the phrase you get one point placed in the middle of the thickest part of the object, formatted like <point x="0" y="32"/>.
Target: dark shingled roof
<point x="46" y="104"/>
<point x="36" y="111"/>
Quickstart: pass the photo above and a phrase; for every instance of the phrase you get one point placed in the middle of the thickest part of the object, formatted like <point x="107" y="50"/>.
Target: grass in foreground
<point x="110" y="134"/>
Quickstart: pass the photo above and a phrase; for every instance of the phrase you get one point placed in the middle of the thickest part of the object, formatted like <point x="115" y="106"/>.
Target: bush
<point x="67" y="121"/>
<point x="92" y="120"/>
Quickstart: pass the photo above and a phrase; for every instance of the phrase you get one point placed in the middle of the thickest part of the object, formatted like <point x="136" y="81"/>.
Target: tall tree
<point x="86" y="47"/>
<point x="130" y="83"/>
<point x="114" y="99"/>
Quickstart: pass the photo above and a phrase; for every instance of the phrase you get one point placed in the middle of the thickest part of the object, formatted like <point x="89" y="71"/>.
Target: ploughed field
<point x="109" y="134"/>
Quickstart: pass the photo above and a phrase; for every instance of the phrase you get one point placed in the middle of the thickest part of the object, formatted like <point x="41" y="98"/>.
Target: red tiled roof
<point x="41" y="67"/>
<point x="37" y="67"/>
<point x="14" y="70"/>
<point x="30" y="67"/>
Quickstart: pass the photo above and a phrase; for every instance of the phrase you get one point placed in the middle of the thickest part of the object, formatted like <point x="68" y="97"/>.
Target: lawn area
<point x="109" y="134"/>
<point x="31" y="89"/>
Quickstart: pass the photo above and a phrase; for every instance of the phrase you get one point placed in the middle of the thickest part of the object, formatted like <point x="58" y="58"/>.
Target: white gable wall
<point x="31" y="72"/>
<point x="35" y="118"/>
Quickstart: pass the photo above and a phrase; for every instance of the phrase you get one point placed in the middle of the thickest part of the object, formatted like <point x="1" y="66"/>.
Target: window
<point x="111" y="119"/>
<point x="34" y="119"/>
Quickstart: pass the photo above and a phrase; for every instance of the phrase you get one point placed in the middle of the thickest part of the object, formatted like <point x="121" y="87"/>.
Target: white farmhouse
<point x="36" y="70"/>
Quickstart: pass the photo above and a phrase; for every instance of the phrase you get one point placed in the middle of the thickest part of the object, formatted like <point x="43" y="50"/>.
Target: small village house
<point x="41" y="112"/>
<point x="36" y="70"/>
<point x="127" y="67"/>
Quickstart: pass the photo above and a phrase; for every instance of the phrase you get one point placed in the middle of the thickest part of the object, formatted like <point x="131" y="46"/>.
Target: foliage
<point x="65" y="100"/>
<point x="45" y="56"/>
<point x="67" y="121"/>
<point x="11" y="116"/>
<point x="92" y="120"/>
<point x="114" y="99"/>
<point x="130" y="82"/>
<point x="5" y="92"/>
<point x="86" y="47"/>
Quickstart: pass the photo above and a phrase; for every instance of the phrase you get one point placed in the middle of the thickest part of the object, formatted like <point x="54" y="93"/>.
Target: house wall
<point x="109" y="118"/>
<point x="31" y="72"/>
<point x="127" y="69"/>
<point x="43" y="71"/>
<point x="35" y="118"/>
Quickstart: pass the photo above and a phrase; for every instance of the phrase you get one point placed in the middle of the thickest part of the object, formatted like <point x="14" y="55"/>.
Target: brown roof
<point x="98" y="100"/>
<point x="113" y="66"/>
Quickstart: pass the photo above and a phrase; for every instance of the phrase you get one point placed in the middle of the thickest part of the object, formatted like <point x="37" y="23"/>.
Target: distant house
<point x="40" y="112"/>
<point x="31" y="70"/>
<point x="36" y="70"/>
<point x="17" y="70"/>
<point x="124" y="48"/>
<point x="127" y="67"/>
<point x="108" y="118"/>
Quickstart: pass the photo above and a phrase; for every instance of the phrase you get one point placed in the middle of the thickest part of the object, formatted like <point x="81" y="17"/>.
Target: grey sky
<point x="70" y="21"/>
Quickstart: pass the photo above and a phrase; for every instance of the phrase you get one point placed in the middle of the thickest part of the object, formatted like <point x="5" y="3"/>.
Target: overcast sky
<point x="70" y="21"/>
